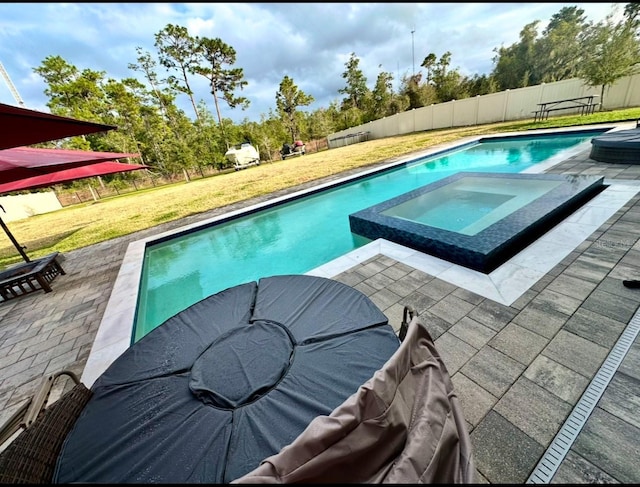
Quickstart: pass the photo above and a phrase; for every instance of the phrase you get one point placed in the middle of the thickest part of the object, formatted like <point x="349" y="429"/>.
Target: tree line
<point x="150" y="123"/>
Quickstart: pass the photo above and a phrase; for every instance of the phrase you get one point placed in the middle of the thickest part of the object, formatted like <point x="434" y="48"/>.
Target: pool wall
<point x="494" y="245"/>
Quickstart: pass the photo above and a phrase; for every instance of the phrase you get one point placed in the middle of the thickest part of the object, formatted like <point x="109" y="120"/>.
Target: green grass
<point x="89" y="223"/>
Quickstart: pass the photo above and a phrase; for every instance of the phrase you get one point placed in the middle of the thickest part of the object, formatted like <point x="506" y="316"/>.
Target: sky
<point x="309" y="42"/>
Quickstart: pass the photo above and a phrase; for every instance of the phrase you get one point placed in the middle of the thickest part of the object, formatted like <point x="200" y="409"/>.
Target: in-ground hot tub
<point x="622" y="146"/>
<point x="477" y="220"/>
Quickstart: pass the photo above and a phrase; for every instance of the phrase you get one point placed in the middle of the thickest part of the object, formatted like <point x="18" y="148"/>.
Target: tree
<point x="222" y="80"/>
<point x="558" y="54"/>
<point x="269" y="134"/>
<point x="146" y="65"/>
<point x="479" y="85"/>
<point x="322" y="122"/>
<point x="76" y="94"/>
<point x="447" y="82"/>
<point x="128" y="99"/>
<point x="58" y="74"/>
<point x="514" y="65"/>
<point x="612" y="52"/>
<point x="70" y="90"/>
<point x="164" y="99"/>
<point x="356" y="89"/>
<point x="381" y="97"/>
<point x="414" y="92"/>
<point x="428" y="63"/>
<point x="288" y="99"/>
<point x="178" y="50"/>
<point x="631" y="13"/>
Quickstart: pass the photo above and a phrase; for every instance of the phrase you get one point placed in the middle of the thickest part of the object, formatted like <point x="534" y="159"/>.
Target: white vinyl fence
<point x="19" y="206"/>
<point x="507" y="105"/>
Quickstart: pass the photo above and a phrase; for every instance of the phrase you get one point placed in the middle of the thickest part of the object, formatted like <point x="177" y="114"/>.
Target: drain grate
<point x="564" y="439"/>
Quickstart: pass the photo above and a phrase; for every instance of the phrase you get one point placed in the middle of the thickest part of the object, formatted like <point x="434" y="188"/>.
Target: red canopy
<point x="66" y="175"/>
<point x="26" y="162"/>
<point x="21" y="126"/>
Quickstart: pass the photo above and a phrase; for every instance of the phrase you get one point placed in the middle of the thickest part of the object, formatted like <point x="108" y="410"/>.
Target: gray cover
<point x="404" y="425"/>
<point x="227" y="382"/>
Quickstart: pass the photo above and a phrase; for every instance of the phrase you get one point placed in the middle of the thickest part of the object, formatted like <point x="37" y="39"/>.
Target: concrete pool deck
<point x="521" y="348"/>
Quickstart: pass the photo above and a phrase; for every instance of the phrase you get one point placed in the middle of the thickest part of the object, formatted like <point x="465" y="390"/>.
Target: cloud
<point x="309" y="42"/>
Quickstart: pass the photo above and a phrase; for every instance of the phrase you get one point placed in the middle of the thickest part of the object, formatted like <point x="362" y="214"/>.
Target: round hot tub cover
<point x="227" y="382"/>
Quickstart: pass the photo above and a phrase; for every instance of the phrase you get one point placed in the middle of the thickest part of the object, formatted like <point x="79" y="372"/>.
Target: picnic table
<point x="585" y="104"/>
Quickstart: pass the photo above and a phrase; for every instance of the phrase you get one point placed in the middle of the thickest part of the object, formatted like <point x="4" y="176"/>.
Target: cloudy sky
<point x="309" y="42"/>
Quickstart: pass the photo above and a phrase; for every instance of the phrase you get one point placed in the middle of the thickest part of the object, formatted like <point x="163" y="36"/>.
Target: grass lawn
<point x="88" y="223"/>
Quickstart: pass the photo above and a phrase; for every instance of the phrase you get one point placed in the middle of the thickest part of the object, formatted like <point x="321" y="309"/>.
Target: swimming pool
<point x="295" y="236"/>
<point x="477" y="220"/>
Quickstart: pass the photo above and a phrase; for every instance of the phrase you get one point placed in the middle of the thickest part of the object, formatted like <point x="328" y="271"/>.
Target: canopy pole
<point x="13" y="240"/>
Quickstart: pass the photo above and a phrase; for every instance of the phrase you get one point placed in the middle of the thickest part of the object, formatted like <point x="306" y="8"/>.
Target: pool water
<point x="300" y="235"/>
<point x="470" y="204"/>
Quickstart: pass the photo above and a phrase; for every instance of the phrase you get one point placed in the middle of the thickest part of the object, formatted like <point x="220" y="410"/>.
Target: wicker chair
<point x="31" y="457"/>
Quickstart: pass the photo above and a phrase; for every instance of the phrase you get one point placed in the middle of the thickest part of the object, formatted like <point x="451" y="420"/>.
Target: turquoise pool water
<point x="470" y="205"/>
<point x="297" y="236"/>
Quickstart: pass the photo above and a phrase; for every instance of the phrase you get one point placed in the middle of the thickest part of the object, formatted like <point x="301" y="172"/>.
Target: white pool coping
<point x="504" y="285"/>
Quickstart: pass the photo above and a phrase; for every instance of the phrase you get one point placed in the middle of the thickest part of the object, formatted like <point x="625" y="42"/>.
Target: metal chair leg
<point x="407" y="315"/>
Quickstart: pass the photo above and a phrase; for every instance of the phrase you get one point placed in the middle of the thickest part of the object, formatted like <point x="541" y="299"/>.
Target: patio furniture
<point x="30" y="276"/>
<point x="227" y="382"/>
<point x="212" y="392"/>
<point x="31" y="456"/>
<point x="584" y="104"/>
<point x="617" y="147"/>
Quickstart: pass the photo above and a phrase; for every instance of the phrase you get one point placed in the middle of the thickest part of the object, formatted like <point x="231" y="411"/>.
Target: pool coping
<point x="504" y="284"/>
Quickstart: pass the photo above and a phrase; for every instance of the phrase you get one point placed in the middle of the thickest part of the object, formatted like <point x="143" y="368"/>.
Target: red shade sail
<point x="66" y="175"/>
<point x="21" y="126"/>
<point x="26" y="162"/>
